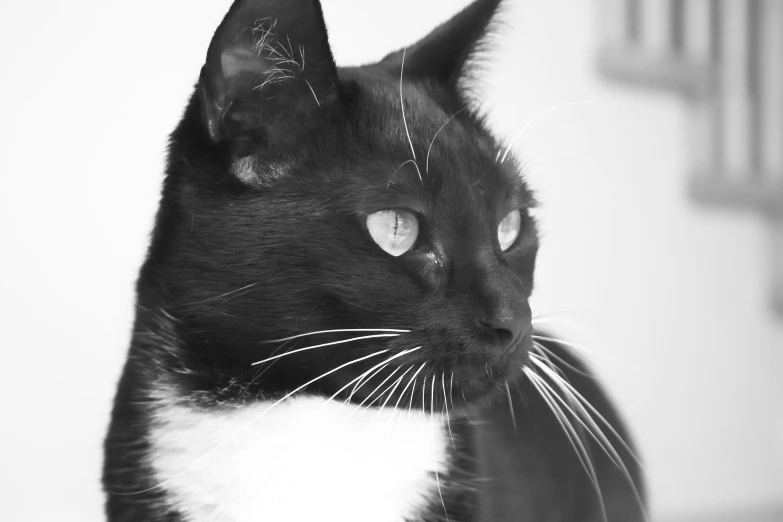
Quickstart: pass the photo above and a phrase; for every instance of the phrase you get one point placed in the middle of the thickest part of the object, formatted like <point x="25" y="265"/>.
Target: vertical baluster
<point x="612" y="24"/>
<point x="735" y="95"/>
<point x="703" y="135"/>
<point x="771" y="91"/>
<point x="677" y="27"/>
<point x="753" y="78"/>
<point x="776" y="258"/>
<point x="696" y="29"/>
<point x="701" y="105"/>
<point x="716" y="16"/>
<point x="633" y="20"/>
<point x="655" y="26"/>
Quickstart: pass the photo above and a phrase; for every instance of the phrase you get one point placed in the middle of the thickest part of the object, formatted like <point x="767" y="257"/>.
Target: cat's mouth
<point x="479" y="382"/>
<point x="446" y="379"/>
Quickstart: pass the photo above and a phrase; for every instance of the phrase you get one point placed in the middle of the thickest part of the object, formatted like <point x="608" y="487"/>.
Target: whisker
<point x="376" y="367"/>
<point x="451" y="390"/>
<point x="546" y="392"/>
<point x="208" y="300"/>
<point x="391" y="178"/>
<point x="581" y="416"/>
<point x="388" y="330"/>
<point x="391" y="393"/>
<point x="333" y="343"/>
<point x="375" y="370"/>
<point x="256" y="417"/>
<point x="511" y="125"/>
<point x="578" y="346"/>
<point x="511" y="408"/>
<point x="543" y="356"/>
<point x="296" y="390"/>
<point x="413" y="379"/>
<point x="382" y="365"/>
<point x="427" y="162"/>
<point x="423" y="396"/>
<point x="313" y="91"/>
<point x="580" y="451"/>
<point x="378" y="388"/>
<point x="551" y="318"/>
<point x="535" y="119"/>
<point x="603" y="420"/>
<point x="404" y="121"/>
<point x="410" y="403"/>
<point x="434" y="455"/>
<point x="593" y="429"/>
<point x="549" y="355"/>
<point x="446" y="406"/>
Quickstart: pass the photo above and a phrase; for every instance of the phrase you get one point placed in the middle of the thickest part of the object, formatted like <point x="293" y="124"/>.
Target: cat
<point x="332" y="319"/>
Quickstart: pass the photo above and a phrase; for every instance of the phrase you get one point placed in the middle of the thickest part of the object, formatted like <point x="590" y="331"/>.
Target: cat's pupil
<point x="395" y="231"/>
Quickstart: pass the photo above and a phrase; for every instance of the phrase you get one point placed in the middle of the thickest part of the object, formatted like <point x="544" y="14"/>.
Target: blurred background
<point x="651" y="130"/>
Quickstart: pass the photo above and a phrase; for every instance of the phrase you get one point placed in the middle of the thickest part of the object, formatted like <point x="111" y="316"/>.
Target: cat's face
<point x="345" y="202"/>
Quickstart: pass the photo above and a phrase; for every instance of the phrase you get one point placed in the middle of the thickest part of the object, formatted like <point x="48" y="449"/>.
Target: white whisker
<point x="210" y="299"/>
<point x="413" y="379"/>
<point x="378" y="367"/>
<point x="581" y="416"/>
<point x="548" y="355"/>
<point x="404" y="121"/>
<point x="577" y="346"/>
<point x="511" y="408"/>
<point x="603" y="420"/>
<point x="568" y="430"/>
<point x="391" y="393"/>
<point x="511" y="125"/>
<point x="313" y="91"/>
<point x="429" y="149"/>
<point x="446" y="407"/>
<point x="434" y="456"/>
<point x="387" y="330"/>
<point x="528" y="124"/>
<point x="451" y="390"/>
<point x="363" y="379"/>
<point x="592" y="428"/>
<point x="260" y="414"/>
<point x="547" y="393"/>
<point x="391" y="178"/>
<point x="375" y="369"/>
<point x="369" y="395"/>
<point x="543" y="356"/>
<point x="333" y="343"/>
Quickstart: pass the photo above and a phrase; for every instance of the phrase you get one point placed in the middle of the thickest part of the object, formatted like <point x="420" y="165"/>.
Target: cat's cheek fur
<point x="303" y="459"/>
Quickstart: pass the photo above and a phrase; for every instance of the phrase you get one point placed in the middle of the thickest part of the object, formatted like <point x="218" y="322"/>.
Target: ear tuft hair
<point x="269" y="75"/>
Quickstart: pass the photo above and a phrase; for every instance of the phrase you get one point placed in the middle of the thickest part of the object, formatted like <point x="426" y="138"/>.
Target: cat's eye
<point x="395" y="231"/>
<point x="508" y="229"/>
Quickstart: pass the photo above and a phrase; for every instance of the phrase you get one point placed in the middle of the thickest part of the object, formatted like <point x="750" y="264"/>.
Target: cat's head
<point x="370" y="204"/>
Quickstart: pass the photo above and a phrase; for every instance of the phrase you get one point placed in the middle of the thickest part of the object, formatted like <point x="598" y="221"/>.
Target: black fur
<point x="272" y="172"/>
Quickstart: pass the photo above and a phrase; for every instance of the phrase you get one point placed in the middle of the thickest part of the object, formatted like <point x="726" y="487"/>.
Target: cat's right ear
<point x="269" y="75"/>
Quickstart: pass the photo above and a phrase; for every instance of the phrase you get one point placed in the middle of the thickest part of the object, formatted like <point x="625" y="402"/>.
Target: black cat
<point x="333" y="318"/>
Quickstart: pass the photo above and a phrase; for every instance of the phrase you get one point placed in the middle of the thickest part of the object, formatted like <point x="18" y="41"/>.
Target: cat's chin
<point x="480" y="385"/>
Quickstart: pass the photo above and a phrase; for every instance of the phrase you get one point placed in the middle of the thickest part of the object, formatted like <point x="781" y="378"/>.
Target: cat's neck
<point x="297" y="460"/>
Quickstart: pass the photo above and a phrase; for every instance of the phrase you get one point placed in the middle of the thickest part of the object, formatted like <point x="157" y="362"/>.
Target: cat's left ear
<point x="269" y="75"/>
<point x="442" y="55"/>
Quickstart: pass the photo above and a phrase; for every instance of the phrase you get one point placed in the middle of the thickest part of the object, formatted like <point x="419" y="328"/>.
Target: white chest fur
<point x="301" y="460"/>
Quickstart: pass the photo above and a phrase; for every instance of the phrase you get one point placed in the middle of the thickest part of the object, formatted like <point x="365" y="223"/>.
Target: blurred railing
<point x="725" y="57"/>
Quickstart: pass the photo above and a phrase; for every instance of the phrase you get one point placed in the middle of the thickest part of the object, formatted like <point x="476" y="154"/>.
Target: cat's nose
<point x="508" y="325"/>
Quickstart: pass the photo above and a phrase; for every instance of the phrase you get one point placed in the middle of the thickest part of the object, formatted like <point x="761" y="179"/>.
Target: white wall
<point x="674" y="294"/>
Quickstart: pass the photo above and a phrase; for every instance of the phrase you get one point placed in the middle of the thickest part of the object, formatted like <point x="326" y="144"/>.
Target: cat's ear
<point x="269" y="74"/>
<point x="442" y="55"/>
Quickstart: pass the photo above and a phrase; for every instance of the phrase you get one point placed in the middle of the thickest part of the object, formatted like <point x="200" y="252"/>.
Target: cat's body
<point x="332" y="320"/>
